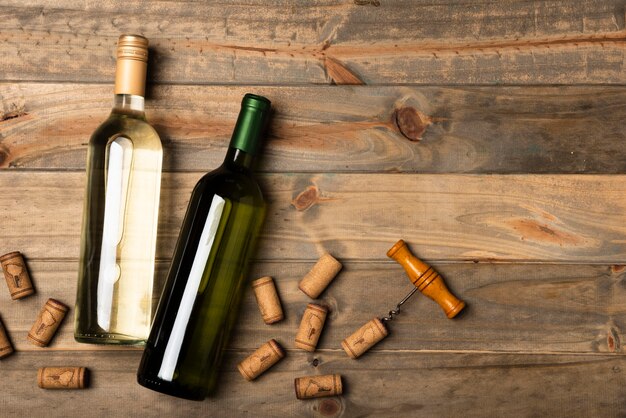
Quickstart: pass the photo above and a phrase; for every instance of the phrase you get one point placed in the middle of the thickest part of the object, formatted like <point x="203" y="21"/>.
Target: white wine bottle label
<point x="120" y="156"/>
<point x="172" y="350"/>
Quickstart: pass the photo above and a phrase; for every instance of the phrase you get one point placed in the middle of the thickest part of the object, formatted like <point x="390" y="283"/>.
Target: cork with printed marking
<point x="308" y="387"/>
<point x="62" y="377"/>
<point x="364" y="338"/>
<point x="47" y="323"/>
<point x="6" y="349"/>
<point x="262" y="359"/>
<point x="311" y="327"/>
<point x="16" y="275"/>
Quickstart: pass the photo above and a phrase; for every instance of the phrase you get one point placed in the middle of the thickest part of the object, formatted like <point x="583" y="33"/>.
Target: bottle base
<point x="110" y="339"/>
<point x="169" y="389"/>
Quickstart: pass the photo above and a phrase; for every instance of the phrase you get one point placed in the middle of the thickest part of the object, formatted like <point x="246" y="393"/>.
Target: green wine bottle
<point x="206" y="280"/>
<point x="119" y="230"/>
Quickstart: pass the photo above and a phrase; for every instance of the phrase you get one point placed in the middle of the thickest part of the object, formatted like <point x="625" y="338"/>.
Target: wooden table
<point x="489" y="135"/>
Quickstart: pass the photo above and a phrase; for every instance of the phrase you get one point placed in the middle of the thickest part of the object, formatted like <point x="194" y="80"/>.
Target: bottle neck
<point x="239" y="160"/>
<point x="248" y="132"/>
<point x="129" y="104"/>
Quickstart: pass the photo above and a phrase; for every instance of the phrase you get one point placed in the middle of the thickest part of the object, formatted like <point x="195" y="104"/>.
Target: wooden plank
<point x="406" y="129"/>
<point x="511" y="308"/>
<point x="526" y="218"/>
<point x="443" y="42"/>
<point x="384" y="384"/>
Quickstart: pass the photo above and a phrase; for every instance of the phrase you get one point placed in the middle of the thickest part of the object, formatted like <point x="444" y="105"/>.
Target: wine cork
<point x="262" y="359"/>
<point x="16" y="275"/>
<point x="311" y="327"/>
<point x="318" y="386"/>
<point x="320" y="276"/>
<point x="364" y="338"/>
<point x="267" y="299"/>
<point x="62" y="377"/>
<point x="47" y="323"/>
<point x="5" y="344"/>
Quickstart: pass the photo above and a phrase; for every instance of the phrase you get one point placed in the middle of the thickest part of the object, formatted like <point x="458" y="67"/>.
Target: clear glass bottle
<point x="116" y="271"/>
<point x="206" y="280"/>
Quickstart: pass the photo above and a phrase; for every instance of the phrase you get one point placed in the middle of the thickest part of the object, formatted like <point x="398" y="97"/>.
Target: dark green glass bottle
<point x="206" y="280"/>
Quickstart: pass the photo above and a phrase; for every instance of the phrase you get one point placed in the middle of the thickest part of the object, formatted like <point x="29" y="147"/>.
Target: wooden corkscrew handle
<point x="426" y="279"/>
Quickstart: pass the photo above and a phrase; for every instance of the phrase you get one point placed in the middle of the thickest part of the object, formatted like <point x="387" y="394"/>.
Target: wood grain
<point x="443" y="42"/>
<point x="469" y="385"/>
<point x="512" y="188"/>
<point x="511" y="308"/>
<point x="347" y="129"/>
<point x="526" y="218"/>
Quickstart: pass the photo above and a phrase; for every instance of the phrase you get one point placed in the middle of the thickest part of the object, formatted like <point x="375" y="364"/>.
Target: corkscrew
<point x="425" y="279"/>
<point x="394" y="312"/>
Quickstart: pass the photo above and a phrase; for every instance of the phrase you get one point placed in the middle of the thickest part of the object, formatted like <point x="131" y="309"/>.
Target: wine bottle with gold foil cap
<point x="207" y="277"/>
<point x="119" y="228"/>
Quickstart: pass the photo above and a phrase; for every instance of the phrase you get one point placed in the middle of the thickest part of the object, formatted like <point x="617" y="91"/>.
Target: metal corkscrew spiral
<point x="394" y="312"/>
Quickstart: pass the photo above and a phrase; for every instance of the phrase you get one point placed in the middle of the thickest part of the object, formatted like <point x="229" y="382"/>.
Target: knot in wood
<point x="411" y="122"/>
<point x="329" y="407"/>
<point x="374" y="3"/>
<point x="612" y="340"/>
<point x="307" y="198"/>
